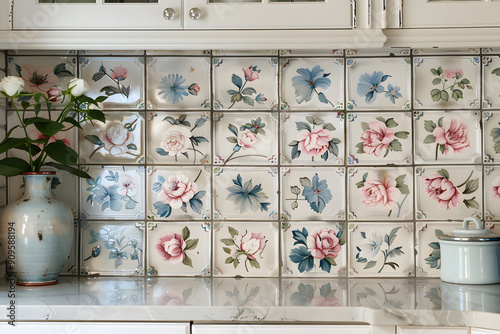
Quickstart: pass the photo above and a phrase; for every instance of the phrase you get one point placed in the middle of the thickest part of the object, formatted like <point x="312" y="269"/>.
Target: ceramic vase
<point x="36" y="232"/>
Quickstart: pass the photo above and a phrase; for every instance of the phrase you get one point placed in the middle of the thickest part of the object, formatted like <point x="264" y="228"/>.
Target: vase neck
<point x="38" y="184"/>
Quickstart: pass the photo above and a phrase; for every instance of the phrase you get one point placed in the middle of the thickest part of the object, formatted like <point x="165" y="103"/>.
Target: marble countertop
<point x="428" y="302"/>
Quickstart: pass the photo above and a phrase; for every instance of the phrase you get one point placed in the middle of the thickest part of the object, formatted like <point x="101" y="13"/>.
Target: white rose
<point x="78" y="87"/>
<point x="176" y="139"/>
<point x="116" y="138"/>
<point x="128" y="185"/>
<point x="11" y="85"/>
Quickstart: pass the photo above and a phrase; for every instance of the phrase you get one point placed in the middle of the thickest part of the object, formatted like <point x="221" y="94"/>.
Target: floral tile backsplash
<point x="344" y="163"/>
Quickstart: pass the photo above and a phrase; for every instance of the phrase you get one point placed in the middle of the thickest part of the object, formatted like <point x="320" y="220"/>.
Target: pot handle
<point x="479" y="225"/>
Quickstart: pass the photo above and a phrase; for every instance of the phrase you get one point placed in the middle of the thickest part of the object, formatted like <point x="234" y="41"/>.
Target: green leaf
<point x="381" y="119"/>
<point x="61" y="153"/>
<point x="365" y="126"/>
<point x="10" y="143"/>
<point x="100" y="99"/>
<point x="360" y="148"/>
<point x="94" y="140"/>
<point x="187" y="261"/>
<point x="440" y="70"/>
<point x="360" y="184"/>
<point x="25" y="105"/>
<point x="227" y="250"/>
<point x="471" y="186"/>
<point x="444" y="95"/>
<point x="400" y="180"/>
<point x="441" y="149"/>
<point x="436" y="81"/>
<point x="331" y="260"/>
<point x="228" y="242"/>
<point x="403" y="189"/>
<point x="496" y="71"/>
<point x="248" y="91"/>
<point x="318" y="121"/>
<point x="329" y="127"/>
<point x="391" y="123"/>
<point x="444" y="173"/>
<point x="97" y="115"/>
<point x="74" y="171"/>
<point x="402" y="134"/>
<point x="310" y="119"/>
<point x="232" y="231"/>
<point x="236" y="97"/>
<point x="295" y="190"/>
<point x="396" y="146"/>
<point x="185" y="233"/>
<point x="429" y="139"/>
<point x="229" y="260"/>
<point x="457" y="94"/>
<point x="436" y="94"/>
<point x="233" y="140"/>
<point x="191" y="244"/>
<point x="305" y="182"/>
<point x="13" y="166"/>
<point x="465" y="81"/>
<point x="370" y="264"/>
<point x="434" y="71"/>
<point x="37" y="107"/>
<point x="254" y="263"/>
<point x="440" y="121"/>
<point x="471" y="203"/>
<point x="72" y="121"/>
<point x="429" y="126"/>
<point x="248" y="100"/>
<point x="49" y="128"/>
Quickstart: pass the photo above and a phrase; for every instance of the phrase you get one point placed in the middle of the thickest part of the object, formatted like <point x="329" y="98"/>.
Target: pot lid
<point x="479" y="234"/>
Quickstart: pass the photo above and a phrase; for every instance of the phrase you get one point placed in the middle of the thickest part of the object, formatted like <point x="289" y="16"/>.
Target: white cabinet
<point x="451" y="13"/>
<point x="483" y="331"/>
<point x="94" y="328"/>
<point x="432" y="330"/>
<point x="279" y="329"/>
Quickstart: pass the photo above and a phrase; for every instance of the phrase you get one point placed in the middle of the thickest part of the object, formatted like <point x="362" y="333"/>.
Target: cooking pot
<point x="470" y="256"/>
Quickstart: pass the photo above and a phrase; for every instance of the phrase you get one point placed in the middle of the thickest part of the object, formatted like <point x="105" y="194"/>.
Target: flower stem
<point x="465" y="182"/>
<point x="241" y="88"/>
<point x="25" y="131"/>
<point x="325" y="97"/>
<point x="401" y="205"/>
<point x="437" y="151"/>
<point x="95" y="151"/>
<point x="197" y="176"/>
<point x="243" y="156"/>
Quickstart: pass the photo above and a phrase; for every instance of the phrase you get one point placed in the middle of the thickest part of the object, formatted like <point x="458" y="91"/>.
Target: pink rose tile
<point x="448" y="82"/>
<point x="179" y="249"/>
<point x="380" y="193"/>
<point x="381" y="249"/>
<point x="121" y="79"/>
<point x="314" y="292"/>
<point x="448" y="192"/>
<point x="379" y="139"/>
<point x="491" y="135"/>
<point x="447" y="137"/>
<point x="245" y="138"/>
<point x="312" y="83"/>
<point x="178" y="292"/>
<point x="492" y="192"/>
<point x="314" y="249"/>
<point x="178" y="82"/>
<point x="178" y="194"/>
<point x="248" y="292"/>
<point x="313" y="193"/>
<point x="119" y="140"/>
<point x="312" y="138"/>
<point x="242" y="249"/>
<point x="182" y="138"/>
<point x="245" y="83"/>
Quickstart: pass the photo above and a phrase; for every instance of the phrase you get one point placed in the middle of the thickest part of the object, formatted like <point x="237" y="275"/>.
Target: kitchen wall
<point x="275" y="163"/>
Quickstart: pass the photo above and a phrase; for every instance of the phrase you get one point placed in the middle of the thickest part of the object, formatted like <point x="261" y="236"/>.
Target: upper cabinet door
<point x="97" y="14"/>
<point x="267" y="14"/>
<point x="451" y="13"/>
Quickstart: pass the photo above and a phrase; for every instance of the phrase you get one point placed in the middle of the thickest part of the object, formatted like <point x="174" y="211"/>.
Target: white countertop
<point x="428" y="302"/>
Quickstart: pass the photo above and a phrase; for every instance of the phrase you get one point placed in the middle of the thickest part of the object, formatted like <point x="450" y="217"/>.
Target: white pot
<point x="470" y="256"/>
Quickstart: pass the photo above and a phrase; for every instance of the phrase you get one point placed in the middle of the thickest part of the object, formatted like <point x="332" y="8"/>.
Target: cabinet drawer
<point x="432" y="330"/>
<point x="94" y="328"/>
<point x="279" y="329"/>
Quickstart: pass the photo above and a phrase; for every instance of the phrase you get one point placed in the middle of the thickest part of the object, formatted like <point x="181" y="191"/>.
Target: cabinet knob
<point x="194" y="13"/>
<point x="168" y="14"/>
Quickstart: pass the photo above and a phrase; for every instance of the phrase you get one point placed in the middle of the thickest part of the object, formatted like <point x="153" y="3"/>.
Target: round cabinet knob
<point x="194" y="13"/>
<point x="168" y="14"/>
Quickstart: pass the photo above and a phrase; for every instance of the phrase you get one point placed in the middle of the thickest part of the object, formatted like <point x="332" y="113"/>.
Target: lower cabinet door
<point x="433" y="330"/>
<point x="93" y="328"/>
<point x="483" y="331"/>
<point x="279" y="329"/>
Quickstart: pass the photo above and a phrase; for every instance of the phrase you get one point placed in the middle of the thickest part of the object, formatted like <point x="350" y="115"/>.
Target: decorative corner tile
<point x="121" y="79"/>
<point x="182" y="138"/>
<point x="174" y="194"/>
<point x="447" y="137"/>
<point x="374" y="294"/>
<point x="242" y="191"/>
<point x="380" y="139"/>
<point x="448" y="192"/>
<point x="381" y="249"/>
<point x="314" y="249"/>
<point x="245" y="83"/>
<point x="178" y="292"/>
<point x="249" y="292"/>
<point x="112" y="248"/>
<point x="314" y="292"/>
<point x="119" y="140"/>
<point x="380" y="193"/>
<point x="379" y="83"/>
<point x="178" y="82"/>
<point x="114" y="192"/>
<point x="446" y="82"/>
<point x="312" y="83"/>
<point x="246" y="139"/>
<point x="313" y="193"/>
<point x="243" y="249"/>
<point x="312" y="139"/>
<point x="179" y="249"/>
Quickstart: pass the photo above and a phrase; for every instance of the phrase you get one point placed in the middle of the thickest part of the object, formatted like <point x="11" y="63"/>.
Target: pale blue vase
<point x="36" y="232"/>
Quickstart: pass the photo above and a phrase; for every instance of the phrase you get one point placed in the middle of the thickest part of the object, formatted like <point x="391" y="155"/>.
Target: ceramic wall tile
<point x="313" y="193"/>
<point x="312" y="83"/>
<point x="389" y="294"/>
<point x="119" y="140"/>
<point x="250" y="292"/>
<point x="491" y="82"/>
<point x="312" y="53"/>
<point x="179" y="138"/>
<point x="111" y="52"/>
<point x="178" y="194"/>
<point x="2" y="60"/>
<point x="245" y="193"/>
<point x="314" y="249"/>
<point x="114" y="192"/>
<point x="381" y="249"/>
<point x="446" y="82"/>
<point x="112" y="291"/>
<point x="378" y="83"/>
<point x="491" y="192"/>
<point x="178" y="52"/>
<point x="242" y="139"/>
<point x="121" y="79"/>
<point x="245" y="83"/>
<point x="178" y="83"/>
<point x="428" y="250"/>
<point x="447" y="137"/>
<point x="175" y="292"/>
<point x="112" y="248"/>
<point x="448" y="192"/>
<point x="377" y="52"/>
<point x="447" y="51"/>
<point x="47" y="75"/>
<point x="491" y="136"/>
<point x="312" y="138"/>
<point x="380" y="193"/>
<point x="179" y="249"/>
<point x="247" y="53"/>
<point x="314" y="292"/>
<point x="379" y="139"/>
<point x="243" y="249"/>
